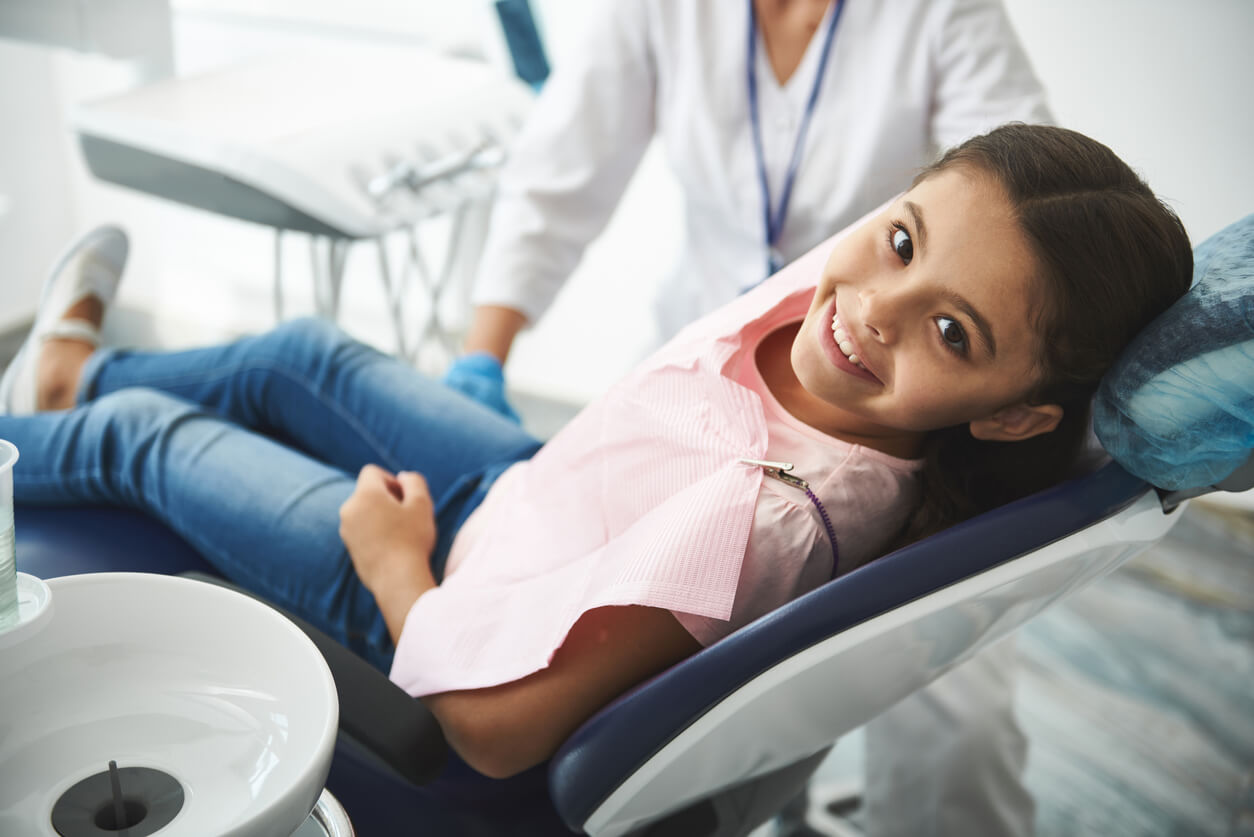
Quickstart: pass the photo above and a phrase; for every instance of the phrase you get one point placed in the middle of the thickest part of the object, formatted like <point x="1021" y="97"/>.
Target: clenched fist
<point x="388" y="525"/>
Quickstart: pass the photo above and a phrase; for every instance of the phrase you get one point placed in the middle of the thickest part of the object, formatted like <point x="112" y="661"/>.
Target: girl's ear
<point x="1016" y="423"/>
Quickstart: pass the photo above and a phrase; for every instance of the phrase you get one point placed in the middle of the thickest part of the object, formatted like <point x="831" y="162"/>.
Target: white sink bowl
<point x="211" y="687"/>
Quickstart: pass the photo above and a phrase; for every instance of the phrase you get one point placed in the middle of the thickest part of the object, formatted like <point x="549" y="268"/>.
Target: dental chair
<point x="719" y="742"/>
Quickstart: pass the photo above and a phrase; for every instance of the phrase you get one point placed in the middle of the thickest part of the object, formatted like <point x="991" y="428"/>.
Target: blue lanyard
<point x="773" y="221"/>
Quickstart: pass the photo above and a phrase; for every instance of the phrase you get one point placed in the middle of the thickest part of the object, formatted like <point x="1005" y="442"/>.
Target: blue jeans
<point x="248" y="449"/>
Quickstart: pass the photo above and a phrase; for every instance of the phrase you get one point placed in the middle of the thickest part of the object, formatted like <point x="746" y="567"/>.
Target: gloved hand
<point x="480" y="376"/>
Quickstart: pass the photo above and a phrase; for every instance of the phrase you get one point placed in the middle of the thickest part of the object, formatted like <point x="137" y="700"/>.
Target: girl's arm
<point x="388" y="525"/>
<point x="503" y="730"/>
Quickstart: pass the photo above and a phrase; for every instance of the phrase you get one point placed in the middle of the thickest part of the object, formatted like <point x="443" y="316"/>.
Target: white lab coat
<point x="904" y="79"/>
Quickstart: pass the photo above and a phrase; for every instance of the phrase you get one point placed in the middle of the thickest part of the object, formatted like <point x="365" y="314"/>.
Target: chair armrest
<point x="374" y="712"/>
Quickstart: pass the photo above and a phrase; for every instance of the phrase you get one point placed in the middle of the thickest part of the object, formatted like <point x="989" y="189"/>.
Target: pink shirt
<point x="642" y="499"/>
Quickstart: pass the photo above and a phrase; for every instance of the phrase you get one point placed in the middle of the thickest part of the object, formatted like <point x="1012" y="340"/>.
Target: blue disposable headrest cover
<point x="1177" y="408"/>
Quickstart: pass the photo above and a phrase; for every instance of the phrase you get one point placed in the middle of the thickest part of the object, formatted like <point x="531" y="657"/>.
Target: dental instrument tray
<point x="344" y="142"/>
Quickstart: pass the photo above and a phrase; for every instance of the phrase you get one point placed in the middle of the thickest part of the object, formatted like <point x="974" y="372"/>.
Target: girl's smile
<point x="840" y="347"/>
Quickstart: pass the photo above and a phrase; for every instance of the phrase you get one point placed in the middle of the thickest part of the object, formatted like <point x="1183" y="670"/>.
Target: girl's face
<point x="923" y="318"/>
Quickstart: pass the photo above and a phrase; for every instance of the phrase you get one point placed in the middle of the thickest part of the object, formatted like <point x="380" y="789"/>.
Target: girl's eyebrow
<point x="983" y="330"/>
<point x="916" y="214"/>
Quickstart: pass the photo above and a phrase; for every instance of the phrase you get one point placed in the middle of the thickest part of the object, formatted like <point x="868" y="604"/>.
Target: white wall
<point x="41" y="192"/>
<point x="34" y="187"/>
<point x="1159" y="80"/>
<point x="1162" y="83"/>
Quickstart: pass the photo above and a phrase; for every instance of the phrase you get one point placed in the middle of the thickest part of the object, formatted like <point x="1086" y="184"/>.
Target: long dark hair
<point x="1111" y="257"/>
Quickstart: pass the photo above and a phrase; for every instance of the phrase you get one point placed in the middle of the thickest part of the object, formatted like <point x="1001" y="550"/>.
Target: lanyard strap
<point x="773" y="220"/>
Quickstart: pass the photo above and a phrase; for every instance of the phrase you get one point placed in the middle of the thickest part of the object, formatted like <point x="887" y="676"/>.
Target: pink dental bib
<point x="642" y="499"/>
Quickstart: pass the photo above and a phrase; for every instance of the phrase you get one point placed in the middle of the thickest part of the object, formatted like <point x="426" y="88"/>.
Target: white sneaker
<point x="91" y="266"/>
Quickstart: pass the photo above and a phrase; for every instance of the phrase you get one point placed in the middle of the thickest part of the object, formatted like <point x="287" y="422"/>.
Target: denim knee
<point x="311" y="347"/>
<point x="137" y="413"/>
<point x="140" y="405"/>
<point x="105" y="448"/>
<point x="310" y="333"/>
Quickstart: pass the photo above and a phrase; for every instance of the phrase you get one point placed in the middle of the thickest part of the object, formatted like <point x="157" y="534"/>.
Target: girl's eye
<point x="900" y="241"/>
<point x="953" y="335"/>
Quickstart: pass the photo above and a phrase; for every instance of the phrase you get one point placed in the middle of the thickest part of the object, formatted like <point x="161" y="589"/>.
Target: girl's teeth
<point x="842" y="340"/>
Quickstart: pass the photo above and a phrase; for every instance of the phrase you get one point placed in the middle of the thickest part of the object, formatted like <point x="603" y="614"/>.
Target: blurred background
<point x="1161" y="82"/>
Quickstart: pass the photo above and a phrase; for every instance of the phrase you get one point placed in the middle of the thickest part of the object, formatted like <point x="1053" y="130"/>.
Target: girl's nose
<point x="880" y="309"/>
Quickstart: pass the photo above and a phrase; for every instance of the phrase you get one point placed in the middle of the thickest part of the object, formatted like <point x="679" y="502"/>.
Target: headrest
<point x="1177" y="408"/>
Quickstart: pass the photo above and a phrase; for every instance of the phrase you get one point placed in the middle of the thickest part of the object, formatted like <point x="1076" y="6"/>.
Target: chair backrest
<point x="794" y="681"/>
<point x="786" y="686"/>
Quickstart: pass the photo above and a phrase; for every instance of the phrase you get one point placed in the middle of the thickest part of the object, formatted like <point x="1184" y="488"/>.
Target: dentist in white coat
<point x="783" y="121"/>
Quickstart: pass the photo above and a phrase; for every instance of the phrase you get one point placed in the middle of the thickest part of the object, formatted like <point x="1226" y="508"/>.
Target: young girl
<point x="933" y="361"/>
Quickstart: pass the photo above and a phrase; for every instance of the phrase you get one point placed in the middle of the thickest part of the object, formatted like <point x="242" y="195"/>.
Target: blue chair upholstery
<point x="57" y="541"/>
<point x="1178" y="407"/>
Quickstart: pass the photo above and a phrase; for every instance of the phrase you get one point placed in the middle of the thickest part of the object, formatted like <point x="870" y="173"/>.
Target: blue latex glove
<point x="480" y="376"/>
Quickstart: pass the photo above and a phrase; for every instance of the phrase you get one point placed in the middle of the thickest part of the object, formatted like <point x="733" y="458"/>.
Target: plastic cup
<point x="8" y="554"/>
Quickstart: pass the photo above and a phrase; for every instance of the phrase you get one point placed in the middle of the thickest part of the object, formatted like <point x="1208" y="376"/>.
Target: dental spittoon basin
<point x="218" y="713"/>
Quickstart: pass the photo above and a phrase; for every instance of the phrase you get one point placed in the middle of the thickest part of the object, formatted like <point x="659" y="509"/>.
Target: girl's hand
<point x="388" y="525"/>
